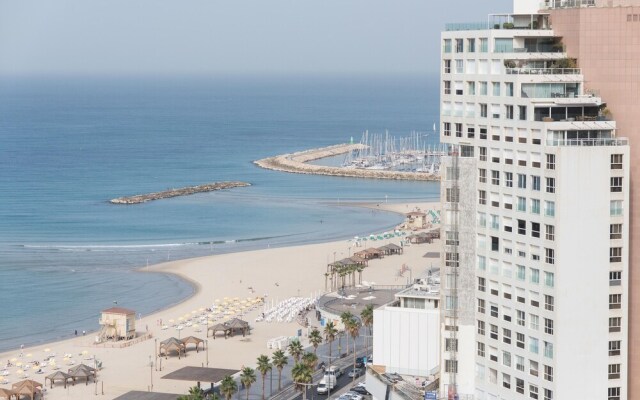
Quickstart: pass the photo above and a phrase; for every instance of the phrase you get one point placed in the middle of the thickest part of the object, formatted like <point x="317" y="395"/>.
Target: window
<point x="549" y="208"/>
<point x="447" y="45"/>
<point x="548" y="394"/>
<point x="522" y="227"/>
<point x="459" y="46"/>
<point x="484" y="45"/>
<point x="614" y="347"/>
<point x="495" y="177"/>
<point x="506" y="381"/>
<point x="549" y="279"/>
<point x="615" y="278"/>
<point x="520" y="272"/>
<point x="459" y="67"/>
<point x="615" y="231"/>
<point x="451" y="344"/>
<point x="614" y="371"/>
<point x="494" y="311"/>
<point x="521" y="204"/>
<point x="483" y="154"/>
<point x="615" y="207"/>
<point x="519" y="363"/>
<point x="535" y="183"/>
<point x="548" y="350"/>
<point x="471" y="88"/>
<point x="451" y="366"/>
<point x="458" y="130"/>
<point x="522" y="181"/>
<point x="483" y="111"/>
<point x="550" y="232"/>
<point x="534" y="322"/>
<point x="482" y="284"/>
<point x="615" y="324"/>
<point x="508" y="89"/>
<point x="482" y="197"/>
<point x="533" y="347"/>
<point x="447" y="69"/>
<point x="533" y="391"/>
<point x="482" y="175"/>
<point x="482" y="263"/>
<point x="616" y="184"/>
<point x="614" y="393"/>
<point x="519" y="386"/>
<point x="551" y="161"/>
<point x="483" y="88"/>
<point x="481" y="349"/>
<point x="451" y="259"/>
<point x="522" y="111"/>
<point x="451" y="303"/>
<point x="520" y="340"/>
<point x="535" y="229"/>
<point x="482" y="220"/>
<point x="506" y="335"/>
<point x="548" y="373"/>
<point x="534" y="275"/>
<point x="508" y="112"/>
<point x="616" y="161"/>
<point x="549" y="256"/>
<point x="508" y="179"/>
<point x="520" y="317"/>
<point x="548" y="326"/>
<point x="452" y="195"/>
<point x="548" y="302"/>
<point x="495" y="243"/>
<point x="615" y="301"/>
<point x="447" y="87"/>
<point x="471" y="132"/>
<point x="471" y="45"/>
<point x="615" y="254"/>
<point x="481" y="306"/>
<point x="494" y="331"/>
<point x="535" y="206"/>
<point x="480" y="327"/>
<point x="496" y="88"/>
<point x="551" y="185"/>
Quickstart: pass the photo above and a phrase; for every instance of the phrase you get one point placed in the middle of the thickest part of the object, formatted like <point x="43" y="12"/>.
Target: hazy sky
<point x="230" y="36"/>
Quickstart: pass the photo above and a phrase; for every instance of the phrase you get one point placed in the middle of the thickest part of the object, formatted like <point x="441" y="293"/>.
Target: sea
<point x="68" y="145"/>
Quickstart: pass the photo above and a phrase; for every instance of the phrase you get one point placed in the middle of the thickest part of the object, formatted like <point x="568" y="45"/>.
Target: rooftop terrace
<point x="504" y="21"/>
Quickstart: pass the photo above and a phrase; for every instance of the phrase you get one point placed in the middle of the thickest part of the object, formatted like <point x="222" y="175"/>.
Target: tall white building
<point x="535" y="197"/>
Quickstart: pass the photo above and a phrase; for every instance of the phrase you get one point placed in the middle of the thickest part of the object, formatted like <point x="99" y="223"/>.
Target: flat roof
<point x="118" y="310"/>
<point x="200" y="374"/>
<point x="137" y="395"/>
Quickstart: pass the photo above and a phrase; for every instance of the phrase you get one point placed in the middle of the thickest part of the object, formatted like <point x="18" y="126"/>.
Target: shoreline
<point x="268" y="271"/>
<point x="298" y="163"/>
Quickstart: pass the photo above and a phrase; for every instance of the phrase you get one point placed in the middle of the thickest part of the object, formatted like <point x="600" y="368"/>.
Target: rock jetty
<point x="210" y="187"/>
<point x="297" y="163"/>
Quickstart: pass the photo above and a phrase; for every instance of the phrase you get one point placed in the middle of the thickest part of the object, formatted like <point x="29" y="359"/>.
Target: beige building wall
<point x="606" y="41"/>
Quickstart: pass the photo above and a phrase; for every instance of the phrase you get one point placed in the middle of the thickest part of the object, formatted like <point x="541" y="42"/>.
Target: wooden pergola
<point x="238" y="324"/>
<point x="370" y="253"/>
<point x="82" y="371"/>
<point x="27" y="387"/>
<point x="218" y="328"/>
<point x="391" y="248"/>
<point x="58" y="376"/>
<point x="192" y="340"/>
<point x="171" y="344"/>
<point x="8" y="394"/>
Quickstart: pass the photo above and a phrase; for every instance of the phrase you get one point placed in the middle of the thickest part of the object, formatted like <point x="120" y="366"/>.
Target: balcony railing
<point x="466" y="26"/>
<point x="544" y="71"/>
<point x="588" y="142"/>
<point x="553" y="4"/>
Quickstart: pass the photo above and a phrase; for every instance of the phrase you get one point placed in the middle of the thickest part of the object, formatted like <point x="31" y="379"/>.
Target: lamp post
<point x="207" y="344"/>
<point x="155" y="352"/>
<point x="151" y="373"/>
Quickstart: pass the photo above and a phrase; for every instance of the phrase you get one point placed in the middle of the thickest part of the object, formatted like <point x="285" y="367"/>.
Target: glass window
<point x="535" y="183"/>
<point x="522" y="181"/>
<point x="471" y="45"/>
<point x="534" y="275"/>
<point x="520" y="272"/>
<point x="535" y="206"/>
<point x="483" y="88"/>
<point x="549" y="279"/>
<point x="522" y="204"/>
<point x="484" y="45"/>
<point x="496" y="88"/>
<point x="549" y="208"/>
<point x="533" y="345"/>
<point x="447" y="45"/>
<point x="508" y="88"/>
<point x="615" y="207"/>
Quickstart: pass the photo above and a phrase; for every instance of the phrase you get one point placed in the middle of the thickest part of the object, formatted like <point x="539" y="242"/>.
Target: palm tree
<point x="310" y="359"/>
<point x="315" y="338"/>
<point x="248" y="377"/>
<point x="346" y="318"/>
<point x="367" y="320"/>
<point x="279" y="360"/>
<point x="228" y="387"/>
<point x="264" y="366"/>
<point x="195" y="393"/>
<point x="330" y="333"/>
<point x="295" y="350"/>
<point x="353" y="328"/>
<point x="302" y="374"/>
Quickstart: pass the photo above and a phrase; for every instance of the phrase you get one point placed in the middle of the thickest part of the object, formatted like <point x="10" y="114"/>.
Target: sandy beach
<point x="276" y="273"/>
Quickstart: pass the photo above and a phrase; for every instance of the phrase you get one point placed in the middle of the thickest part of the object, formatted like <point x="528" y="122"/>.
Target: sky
<point x="209" y="37"/>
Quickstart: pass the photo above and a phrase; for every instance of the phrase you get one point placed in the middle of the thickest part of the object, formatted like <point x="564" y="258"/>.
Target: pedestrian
<point x="76" y="332"/>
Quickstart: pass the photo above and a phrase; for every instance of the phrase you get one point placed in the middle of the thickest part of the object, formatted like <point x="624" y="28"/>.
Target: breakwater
<point x="297" y="163"/>
<point x="210" y="187"/>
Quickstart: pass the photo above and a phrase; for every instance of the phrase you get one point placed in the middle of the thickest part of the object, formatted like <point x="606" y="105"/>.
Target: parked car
<point x="355" y="373"/>
<point x="354" y="396"/>
<point x="360" y="362"/>
<point x="361" y="390"/>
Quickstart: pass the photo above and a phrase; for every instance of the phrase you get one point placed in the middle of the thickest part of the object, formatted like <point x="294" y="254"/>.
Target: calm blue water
<point x="66" y="147"/>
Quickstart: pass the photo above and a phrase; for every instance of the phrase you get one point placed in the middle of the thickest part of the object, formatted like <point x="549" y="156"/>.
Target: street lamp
<point x="207" y="344"/>
<point x="151" y="374"/>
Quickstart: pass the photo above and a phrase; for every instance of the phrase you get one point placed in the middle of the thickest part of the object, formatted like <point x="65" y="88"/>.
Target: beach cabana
<point x="58" y="376"/>
<point x="171" y="344"/>
<point x="8" y="394"/>
<point x="193" y="340"/>
<point x="82" y="371"/>
<point x="27" y="387"/>
<point x="218" y="328"/>
<point x="421" y="237"/>
<point x="237" y="324"/>
<point x="391" y="249"/>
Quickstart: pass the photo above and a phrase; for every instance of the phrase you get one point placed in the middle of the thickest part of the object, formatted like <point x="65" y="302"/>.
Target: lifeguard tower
<point x="117" y="324"/>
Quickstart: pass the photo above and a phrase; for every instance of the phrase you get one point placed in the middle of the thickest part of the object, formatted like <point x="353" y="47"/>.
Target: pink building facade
<point x="604" y="36"/>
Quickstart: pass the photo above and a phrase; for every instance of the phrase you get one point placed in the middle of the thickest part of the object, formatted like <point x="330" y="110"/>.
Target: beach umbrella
<point x="47" y="350"/>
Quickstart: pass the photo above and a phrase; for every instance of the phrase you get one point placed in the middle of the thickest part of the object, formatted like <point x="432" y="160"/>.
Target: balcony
<point x="555" y="4"/>
<point x="544" y="71"/>
<point x="504" y="21"/>
<point x="588" y="142"/>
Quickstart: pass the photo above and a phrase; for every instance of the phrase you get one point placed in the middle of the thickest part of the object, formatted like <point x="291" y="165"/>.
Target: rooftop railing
<point x="544" y="71"/>
<point x="588" y="142"/>
<point x="466" y="26"/>
<point x="553" y="4"/>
